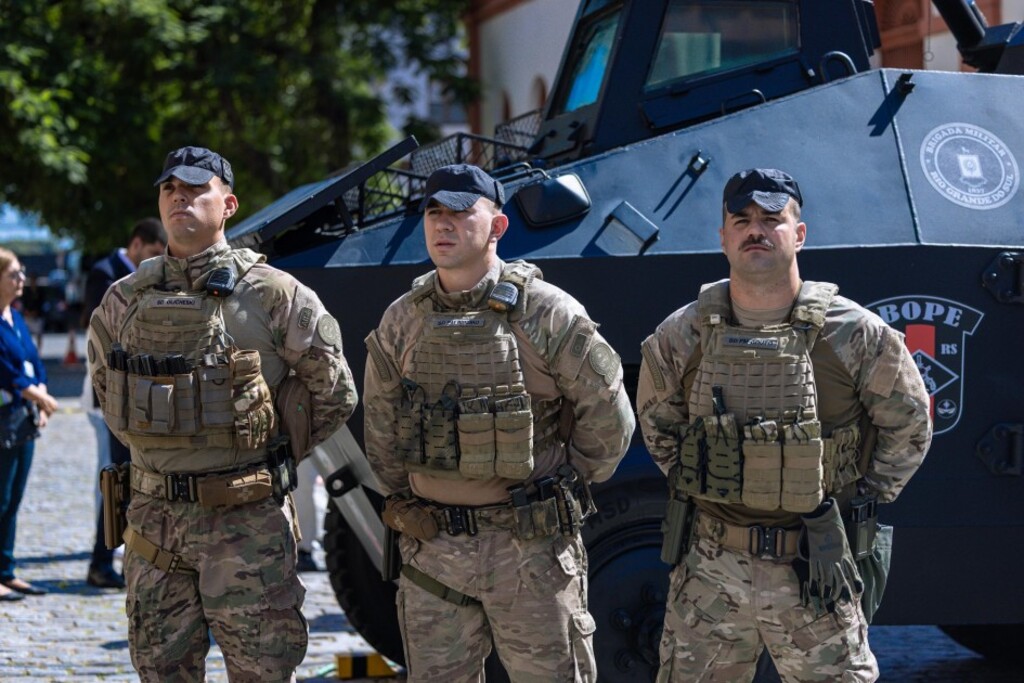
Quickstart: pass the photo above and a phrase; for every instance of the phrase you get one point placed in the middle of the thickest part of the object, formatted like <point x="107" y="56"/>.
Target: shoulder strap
<point x="713" y="308"/>
<point x="811" y="306"/>
<point x="422" y="288"/>
<point x="521" y="274"/>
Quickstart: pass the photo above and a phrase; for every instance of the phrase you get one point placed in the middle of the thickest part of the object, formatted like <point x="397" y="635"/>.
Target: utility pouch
<point x="115" y="408"/>
<point x="676" y="527"/>
<point x="440" y="443"/>
<point x="410" y="516"/>
<point x="874" y="570"/>
<point x="861" y="526"/>
<point x="161" y="405"/>
<point x="409" y="427"/>
<point x="724" y="474"/>
<point x="762" y="465"/>
<point x="802" y="474"/>
<point x="283" y="476"/>
<point x="116" y="489"/>
<point x="253" y="408"/>
<point x="476" y="438"/>
<point x="840" y="458"/>
<point x="513" y="436"/>
<point x="216" y="405"/>
<point x="692" y="458"/>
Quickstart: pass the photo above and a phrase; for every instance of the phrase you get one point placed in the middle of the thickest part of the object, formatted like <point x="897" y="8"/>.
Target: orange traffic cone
<point x="71" y="357"/>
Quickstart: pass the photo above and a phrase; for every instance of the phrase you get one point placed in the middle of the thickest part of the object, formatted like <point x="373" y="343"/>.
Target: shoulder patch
<point x="305" y="316"/>
<point x="604" y="361"/>
<point x="328" y="329"/>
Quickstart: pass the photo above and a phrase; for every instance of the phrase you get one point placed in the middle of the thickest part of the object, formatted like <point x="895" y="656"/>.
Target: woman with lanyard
<point x="25" y="406"/>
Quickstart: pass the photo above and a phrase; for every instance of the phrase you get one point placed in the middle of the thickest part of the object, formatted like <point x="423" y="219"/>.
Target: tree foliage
<point x="94" y="93"/>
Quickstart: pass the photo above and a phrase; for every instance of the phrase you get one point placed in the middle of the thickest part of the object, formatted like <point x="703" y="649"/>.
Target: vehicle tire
<point x="628" y="581"/>
<point x="367" y="600"/>
<point x="998" y="642"/>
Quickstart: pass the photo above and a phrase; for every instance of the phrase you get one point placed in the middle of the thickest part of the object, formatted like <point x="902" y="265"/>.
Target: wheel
<point x="998" y="642"/>
<point x="367" y="600"/>
<point x="628" y="581"/>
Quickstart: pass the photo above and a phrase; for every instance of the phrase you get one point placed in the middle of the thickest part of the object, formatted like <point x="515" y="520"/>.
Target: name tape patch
<point x="178" y="302"/>
<point x="460" y="322"/>
<point x="753" y="342"/>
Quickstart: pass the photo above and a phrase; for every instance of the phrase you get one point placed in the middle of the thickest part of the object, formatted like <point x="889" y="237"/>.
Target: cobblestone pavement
<point x="78" y="633"/>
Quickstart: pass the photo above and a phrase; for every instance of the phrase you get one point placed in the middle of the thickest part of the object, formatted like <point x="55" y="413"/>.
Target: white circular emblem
<point x="969" y="166"/>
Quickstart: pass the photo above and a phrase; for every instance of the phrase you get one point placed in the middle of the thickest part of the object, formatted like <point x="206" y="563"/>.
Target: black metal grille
<point x="522" y="130"/>
<point x="384" y="193"/>
<point x="465" y="148"/>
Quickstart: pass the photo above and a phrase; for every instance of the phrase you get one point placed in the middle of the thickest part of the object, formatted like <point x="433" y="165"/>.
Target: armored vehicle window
<point x="699" y="37"/>
<point x="590" y="60"/>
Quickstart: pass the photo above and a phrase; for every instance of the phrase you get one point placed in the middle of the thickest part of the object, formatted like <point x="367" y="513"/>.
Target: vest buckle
<point x="181" y="487"/>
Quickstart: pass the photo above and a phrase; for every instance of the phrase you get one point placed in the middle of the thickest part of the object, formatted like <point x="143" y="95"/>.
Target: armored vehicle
<point x="913" y="207"/>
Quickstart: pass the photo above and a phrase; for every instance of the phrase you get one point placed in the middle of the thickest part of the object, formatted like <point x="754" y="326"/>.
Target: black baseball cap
<point x="196" y="166"/>
<point x="459" y="186"/>
<point x="769" y="188"/>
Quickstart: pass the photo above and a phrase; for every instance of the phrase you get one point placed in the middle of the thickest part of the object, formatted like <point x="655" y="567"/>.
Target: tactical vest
<point x="186" y="385"/>
<point x="464" y="411"/>
<point x="755" y="436"/>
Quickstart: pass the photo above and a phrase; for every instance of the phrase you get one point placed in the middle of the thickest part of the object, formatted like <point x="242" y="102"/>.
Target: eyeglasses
<point x="17" y="275"/>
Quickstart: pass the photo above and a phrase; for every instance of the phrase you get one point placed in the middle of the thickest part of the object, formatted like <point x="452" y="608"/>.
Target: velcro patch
<point x="328" y="329"/>
<point x="178" y="302"/>
<point x="305" y="317"/>
<point x="753" y="342"/>
<point x="459" y="322"/>
<point x="605" y="362"/>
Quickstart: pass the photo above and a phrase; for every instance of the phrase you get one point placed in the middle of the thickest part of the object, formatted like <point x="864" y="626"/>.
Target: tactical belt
<point x="154" y="554"/>
<point x="758" y="541"/>
<point x="435" y="587"/>
<point x="208" y="489"/>
<point x="458" y="520"/>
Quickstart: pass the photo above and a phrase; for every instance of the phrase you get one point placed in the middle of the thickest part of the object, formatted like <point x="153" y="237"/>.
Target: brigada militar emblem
<point x="969" y="166"/>
<point x="936" y="333"/>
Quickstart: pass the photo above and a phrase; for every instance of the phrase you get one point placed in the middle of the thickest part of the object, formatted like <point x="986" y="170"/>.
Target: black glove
<point x="828" y="573"/>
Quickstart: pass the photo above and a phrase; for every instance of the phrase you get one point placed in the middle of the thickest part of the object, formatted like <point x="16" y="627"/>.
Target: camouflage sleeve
<point x="309" y="340"/>
<point x="588" y="373"/>
<point x="103" y="325"/>
<point x="897" y="402"/>
<point x="661" y="400"/>
<point x="381" y="394"/>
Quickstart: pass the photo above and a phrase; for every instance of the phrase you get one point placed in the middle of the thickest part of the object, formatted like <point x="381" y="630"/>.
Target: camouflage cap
<point x="769" y="188"/>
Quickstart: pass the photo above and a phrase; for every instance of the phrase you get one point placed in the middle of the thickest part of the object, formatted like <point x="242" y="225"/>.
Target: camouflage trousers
<point x="244" y="588"/>
<point x="532" y="603"/>
<point x="724" y="607"/>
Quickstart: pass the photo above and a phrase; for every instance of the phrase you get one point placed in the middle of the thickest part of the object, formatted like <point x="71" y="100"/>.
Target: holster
<point x="391" y="566"/>
<point x="115" y="485"/>
<point x="410" y="516"/>
<point x="677" y="528"/>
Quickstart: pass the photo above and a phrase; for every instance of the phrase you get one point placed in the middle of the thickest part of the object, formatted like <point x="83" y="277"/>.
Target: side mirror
<point x="552" y="200"/>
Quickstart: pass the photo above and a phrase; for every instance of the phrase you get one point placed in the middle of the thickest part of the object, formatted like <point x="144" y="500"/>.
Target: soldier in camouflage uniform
<point x="210" y="545"/>
<point x="775" y="407"/>
<point x="490" y="398"/>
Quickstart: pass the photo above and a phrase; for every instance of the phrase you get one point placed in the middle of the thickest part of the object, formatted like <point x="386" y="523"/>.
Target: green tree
<point x="95" y="92"/>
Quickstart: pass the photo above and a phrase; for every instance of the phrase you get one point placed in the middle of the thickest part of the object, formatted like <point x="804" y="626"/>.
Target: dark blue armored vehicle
<point x="914" y="208"/>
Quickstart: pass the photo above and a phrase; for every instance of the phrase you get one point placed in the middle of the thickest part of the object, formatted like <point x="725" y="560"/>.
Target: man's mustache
<point x="759" y="241"/>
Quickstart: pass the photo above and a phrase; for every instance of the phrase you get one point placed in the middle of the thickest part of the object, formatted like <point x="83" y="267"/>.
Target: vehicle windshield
<point x="590" y="63"/>
<point x="704" y="36"/>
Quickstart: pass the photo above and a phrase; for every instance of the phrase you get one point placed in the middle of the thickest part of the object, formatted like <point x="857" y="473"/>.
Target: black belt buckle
<point x="459" y="520"/>
<point x="181" y="487"/>
<point x="766" y="541"/>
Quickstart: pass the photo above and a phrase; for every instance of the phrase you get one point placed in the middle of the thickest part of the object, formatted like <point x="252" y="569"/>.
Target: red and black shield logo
<point x="936" y="331"/>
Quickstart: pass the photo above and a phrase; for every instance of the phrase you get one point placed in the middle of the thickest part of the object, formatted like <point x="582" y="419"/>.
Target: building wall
<point x="515" y="50"/>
